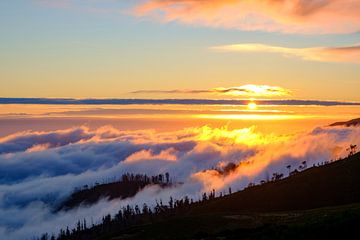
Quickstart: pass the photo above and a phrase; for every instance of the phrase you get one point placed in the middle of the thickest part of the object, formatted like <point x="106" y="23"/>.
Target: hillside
<point x="353" y="122"/>
<point x="341" y="222"/>
<point x="127" y="186"/>
<point x="320" y="202"/>
<point x="333" y="184"/>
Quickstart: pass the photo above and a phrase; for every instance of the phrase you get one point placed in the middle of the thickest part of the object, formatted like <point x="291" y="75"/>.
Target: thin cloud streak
<point x="321" y="54"/>
<point x="72" y="101"/>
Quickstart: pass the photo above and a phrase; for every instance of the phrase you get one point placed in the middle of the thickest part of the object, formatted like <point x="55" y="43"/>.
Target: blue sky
<point x="100" y="49"/>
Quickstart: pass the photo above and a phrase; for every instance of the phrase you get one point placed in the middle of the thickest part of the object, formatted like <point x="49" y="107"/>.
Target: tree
<point x="67" y="232"/>
<point x="145" y="209"/>
<point x="171" y="203"/>
<point x="303" y="166"/>
<point x="167" y="176"/>
<point x="277" y="176"/>
<point x="204" y="197"/>
<point x="289" y="168"/>
<point x="352" y="150"/>
<point x="44" y="237"/>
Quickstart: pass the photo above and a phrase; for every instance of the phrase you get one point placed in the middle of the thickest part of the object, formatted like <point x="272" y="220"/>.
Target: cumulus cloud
<point x="41" y="170"/>
<point x="294" y="16"/>
<point x="322" y="54"/>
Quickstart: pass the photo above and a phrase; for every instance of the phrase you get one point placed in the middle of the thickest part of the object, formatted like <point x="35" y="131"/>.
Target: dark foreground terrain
<point x="340" y="222"/>
<point x="320" y="202"/>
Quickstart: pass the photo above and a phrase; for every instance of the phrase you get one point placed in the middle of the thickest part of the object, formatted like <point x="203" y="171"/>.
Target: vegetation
<point x="278" y="208"/>
<point x="127" y="186"/>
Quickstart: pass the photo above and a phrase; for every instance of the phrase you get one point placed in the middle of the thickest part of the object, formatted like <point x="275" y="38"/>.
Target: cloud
<point x="321" y="54"/>
<point x="168" y="154"/>
<point x="39" y="173"/>
<point x="249" y="90"/>
<point x="252" y="90"/>
<point x="31" y="140"/>
<point x="290" y="16"/>
<point x="70" y="101"/>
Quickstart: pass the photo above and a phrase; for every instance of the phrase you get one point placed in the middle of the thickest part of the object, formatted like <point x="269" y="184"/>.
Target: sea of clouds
<point x="38" y="170"/>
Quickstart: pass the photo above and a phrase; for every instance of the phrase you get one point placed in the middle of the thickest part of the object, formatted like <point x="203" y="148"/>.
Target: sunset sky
<point x="93" y="89"/>
<point x="179" y="48"/>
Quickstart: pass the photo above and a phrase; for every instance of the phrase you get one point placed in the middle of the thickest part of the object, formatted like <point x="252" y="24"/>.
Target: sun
<point x="252" y="106"/>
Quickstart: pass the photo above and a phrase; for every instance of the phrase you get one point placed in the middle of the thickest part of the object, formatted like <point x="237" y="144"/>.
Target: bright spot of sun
<point x="252" y="106"/>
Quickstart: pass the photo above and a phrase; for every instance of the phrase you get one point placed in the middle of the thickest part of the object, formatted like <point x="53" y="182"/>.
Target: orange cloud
<point x="253" y="90"/>
<point x="249" y="90"/>
<point x="322" y="54"/>
<point x="295" y="16"/>
<point x="38" y="148"/>
<point x="168" y="155"/>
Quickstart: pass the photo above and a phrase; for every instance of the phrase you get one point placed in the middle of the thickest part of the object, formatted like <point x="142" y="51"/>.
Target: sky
<point x="179" y="48"/>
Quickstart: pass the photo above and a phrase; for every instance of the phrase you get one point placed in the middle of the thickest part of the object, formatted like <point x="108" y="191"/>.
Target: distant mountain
<point x="353" y="122"/>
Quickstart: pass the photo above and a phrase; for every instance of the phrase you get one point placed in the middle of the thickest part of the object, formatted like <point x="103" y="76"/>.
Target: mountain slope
<point x="320" y="202"/>
<point x="333" y="184"/>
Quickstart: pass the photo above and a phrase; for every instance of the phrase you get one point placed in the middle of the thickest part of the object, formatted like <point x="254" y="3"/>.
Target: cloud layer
<point x="294" y="16"/>
<point x="94" y="101"/>
<point x="39" y="169"/>
<point x="322" y="54"/>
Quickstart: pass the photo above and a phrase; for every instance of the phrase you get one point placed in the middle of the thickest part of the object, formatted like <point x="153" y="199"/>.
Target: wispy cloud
<point x="296" y="16"/>
<point x="249" y="90"/>
<point x="172" y="91"/>
<point x="323" y="54"/>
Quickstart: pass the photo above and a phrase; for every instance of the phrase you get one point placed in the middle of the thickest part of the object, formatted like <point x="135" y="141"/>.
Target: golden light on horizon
<point x="261" y="117"/>
<point x="253" y="90"/>
<point x="252" y="106"/>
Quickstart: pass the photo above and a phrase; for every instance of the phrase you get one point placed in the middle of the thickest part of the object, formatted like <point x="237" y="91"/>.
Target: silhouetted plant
<point x="352" y="149"/>
<point x="289" y="168"/>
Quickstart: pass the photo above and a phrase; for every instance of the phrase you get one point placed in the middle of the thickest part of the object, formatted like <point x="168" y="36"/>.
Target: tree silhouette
<point x="277" y="176"/>
<point x="289" y="168"/>
<point x="352" y="149"/>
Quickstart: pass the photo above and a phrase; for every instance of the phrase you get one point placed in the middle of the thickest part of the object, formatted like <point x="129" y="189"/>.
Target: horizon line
<point x="140" y="101"/>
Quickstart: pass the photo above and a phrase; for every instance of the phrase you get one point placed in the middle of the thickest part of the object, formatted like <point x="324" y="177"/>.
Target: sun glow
<point x="251" y="116"/>
<point x="252" y="106"/>
<point x="252" y="90"/>
<point x="247" y="136"/>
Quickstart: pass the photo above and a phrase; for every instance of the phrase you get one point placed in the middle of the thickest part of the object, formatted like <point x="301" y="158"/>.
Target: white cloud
<point x="32" y="182"/>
